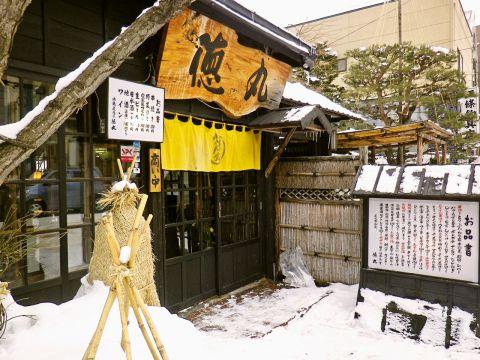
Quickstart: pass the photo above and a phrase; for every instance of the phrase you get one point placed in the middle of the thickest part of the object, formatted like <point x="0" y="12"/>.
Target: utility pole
<point x="401" y="150"/>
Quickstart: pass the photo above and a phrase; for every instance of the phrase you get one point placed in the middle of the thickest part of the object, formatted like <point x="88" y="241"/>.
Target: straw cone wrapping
<point x="123" y="207"/>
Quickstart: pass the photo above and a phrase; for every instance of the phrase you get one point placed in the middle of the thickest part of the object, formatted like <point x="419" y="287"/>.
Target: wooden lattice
<point x="317" y="194"/>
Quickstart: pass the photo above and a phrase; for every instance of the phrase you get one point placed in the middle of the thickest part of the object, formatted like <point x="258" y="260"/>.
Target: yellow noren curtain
<point x="188" y="146"/>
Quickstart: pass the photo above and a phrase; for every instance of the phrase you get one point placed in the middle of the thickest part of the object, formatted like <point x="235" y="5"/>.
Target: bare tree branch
<point x="72" y="96"/>
<point x="11" y="14"/>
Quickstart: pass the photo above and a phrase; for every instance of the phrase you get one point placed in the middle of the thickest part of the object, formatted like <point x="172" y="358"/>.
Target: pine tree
<point x="392" y="82"/>
<point x="322" y="74"/>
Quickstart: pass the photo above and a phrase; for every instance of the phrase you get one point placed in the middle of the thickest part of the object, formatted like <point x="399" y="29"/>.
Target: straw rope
<point x="123" y="208"/>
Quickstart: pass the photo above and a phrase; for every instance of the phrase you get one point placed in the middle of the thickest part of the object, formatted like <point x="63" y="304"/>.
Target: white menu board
<point x="426" y="237"/>
<point x="135" y="111"/>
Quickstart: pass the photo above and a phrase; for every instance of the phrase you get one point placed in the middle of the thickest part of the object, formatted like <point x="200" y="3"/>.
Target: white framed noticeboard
<point x="425" y="237"/>
<point x="135" y="111"/>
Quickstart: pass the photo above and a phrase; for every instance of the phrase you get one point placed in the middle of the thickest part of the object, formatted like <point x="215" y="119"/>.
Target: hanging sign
<point x="426" y="237"/>
<point x="136" y="150"/>
<point x="470" y="106"/>
<point x="155" y="171"/>
<point x="203" y="59"/>
<point x="135" y="111"/>
<point x="197" y="147"/>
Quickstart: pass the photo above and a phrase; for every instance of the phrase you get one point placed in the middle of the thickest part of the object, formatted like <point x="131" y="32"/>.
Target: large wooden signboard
<point x="426" y="237"/>
<point x="203" y="59"/>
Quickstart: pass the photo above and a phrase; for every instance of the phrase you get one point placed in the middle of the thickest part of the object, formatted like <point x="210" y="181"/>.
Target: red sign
<point x="127" y="153"/>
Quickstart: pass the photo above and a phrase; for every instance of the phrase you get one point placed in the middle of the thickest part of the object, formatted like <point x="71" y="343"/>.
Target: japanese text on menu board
<point x="434" y="238"/>
<point x="135" y="111"/>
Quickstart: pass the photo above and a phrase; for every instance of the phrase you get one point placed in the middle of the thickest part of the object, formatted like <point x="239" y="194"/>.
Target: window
<point x="342" y="65"/>
<point x="460" y="64"/>
<point x="189" y="212"/>
<point x="59" y="183"/>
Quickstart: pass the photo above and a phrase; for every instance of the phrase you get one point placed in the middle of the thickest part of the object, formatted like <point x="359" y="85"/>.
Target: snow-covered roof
<point x="300" y="93"/>
<point x="419" y="180"/>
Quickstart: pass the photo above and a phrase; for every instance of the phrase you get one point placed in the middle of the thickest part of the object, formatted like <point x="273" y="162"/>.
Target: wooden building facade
<point x="212" y="231"/>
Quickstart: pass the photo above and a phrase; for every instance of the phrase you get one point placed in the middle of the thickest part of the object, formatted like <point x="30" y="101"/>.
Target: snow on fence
<point x="316" y="211"/>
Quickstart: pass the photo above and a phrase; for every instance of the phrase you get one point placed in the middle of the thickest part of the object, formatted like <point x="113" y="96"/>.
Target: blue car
<point x="43" y="196"/>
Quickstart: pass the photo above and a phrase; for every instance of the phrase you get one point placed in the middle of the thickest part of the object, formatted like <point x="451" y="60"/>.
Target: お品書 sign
<point x="425" y="237"/>
<point x="135" y="111"/>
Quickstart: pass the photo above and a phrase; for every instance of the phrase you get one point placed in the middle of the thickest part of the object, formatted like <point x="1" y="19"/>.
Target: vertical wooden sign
<point x="155" y="177"/>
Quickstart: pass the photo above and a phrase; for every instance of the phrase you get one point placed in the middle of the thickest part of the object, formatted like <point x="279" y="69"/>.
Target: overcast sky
<point x="286" y="12"/>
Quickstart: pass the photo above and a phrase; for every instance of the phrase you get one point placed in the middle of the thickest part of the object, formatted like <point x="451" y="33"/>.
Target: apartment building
<point x="440" y="23"/>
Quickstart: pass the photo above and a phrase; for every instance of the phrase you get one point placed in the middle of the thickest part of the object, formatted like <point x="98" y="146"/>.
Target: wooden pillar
<point x="372" y="155"/>
<point x="401" y="155"/>
<point x="444" y="154"/>
<point x="437" y="154"/>
<point x="419" y="150"/>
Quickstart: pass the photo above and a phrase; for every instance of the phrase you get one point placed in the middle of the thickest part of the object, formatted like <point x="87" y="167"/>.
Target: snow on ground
<point x="307" y="323"/>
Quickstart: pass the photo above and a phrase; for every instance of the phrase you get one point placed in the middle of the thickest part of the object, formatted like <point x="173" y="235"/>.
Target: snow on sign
<point x="135" y="111"/>
<point x="425" y="237"/>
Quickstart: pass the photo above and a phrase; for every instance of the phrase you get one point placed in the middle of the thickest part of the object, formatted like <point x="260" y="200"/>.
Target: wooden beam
<point x="372" y="155"/>
<point x="279" y="153"/>
<point x="431" y="138"/>
<point x="419" y="150"/>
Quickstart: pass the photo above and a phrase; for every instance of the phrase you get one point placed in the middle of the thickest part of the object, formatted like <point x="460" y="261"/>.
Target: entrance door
<point x="211" y="234"/>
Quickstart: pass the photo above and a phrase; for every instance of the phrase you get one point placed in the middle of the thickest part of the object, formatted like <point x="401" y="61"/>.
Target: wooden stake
<point x="140" y="322"/>
<point x="136" y="242"/>
<point x="279" y="152"/>
<point x="95" y="341"/>
<point x="149" y="320"/>
<point x="120" y="169"/>
<point x="123" y="318"/>
<point x="132" y="165"/>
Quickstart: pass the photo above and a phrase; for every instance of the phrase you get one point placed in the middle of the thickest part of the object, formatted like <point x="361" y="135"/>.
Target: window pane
<point x="77" y="155"/>
<point x="207" y="180"/>
<point x="105" y="158"/>
<point x="33" y="92"/>
<point x="226" y="201"/>
<point x="76" y="123"/>
<point x="226" y="231"/>
<point x="252" y="177"/>
<point x="9" y="101"/>
<point x="172" y="207"/>
<point x="42" y="164"/>
<point x="191" y="241"/>
<point x="11" y="231"/>
<point x="42" y="199"/>
<point x="252" y="225"/>
<point x="79" y="248"/>
<point x="9" y="196"/>
<point x="173" y="239"/>
<point x="79" y="208"/>
<point x="43" y="258"/>
<point x="189" y="205"/>
<point x="226" y="179"/>
<point x="240" y="225"/>
<point x="240" y="178"/>
<point x="100" y="187"/>
<point x="252" y="199"/>
<point x="240" y="205"/>
<point x="208" y="234"/>
<point x="208" y="203"/>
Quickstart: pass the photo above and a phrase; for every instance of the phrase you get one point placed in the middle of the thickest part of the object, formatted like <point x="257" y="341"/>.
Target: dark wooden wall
<point x="56" y="36"/>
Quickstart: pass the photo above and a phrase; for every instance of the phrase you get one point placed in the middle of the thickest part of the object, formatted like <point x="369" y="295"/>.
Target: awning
<point x="306" y="118"/>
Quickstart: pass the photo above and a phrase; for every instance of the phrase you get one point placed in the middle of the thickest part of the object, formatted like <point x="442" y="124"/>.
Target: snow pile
<point x="388" y="179"/>
<point x="300" y="323"/>
<point x="370" y="313"/>
<point x="439" y="49"/>
<point x="64" y="331"/>
<point x="119" y="186"/>
<point x="367" y="178"/>
<point x="300" y="93"/>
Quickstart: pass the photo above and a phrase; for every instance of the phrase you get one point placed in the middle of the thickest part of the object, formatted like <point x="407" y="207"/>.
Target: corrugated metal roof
<point x="444" y="180"/>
